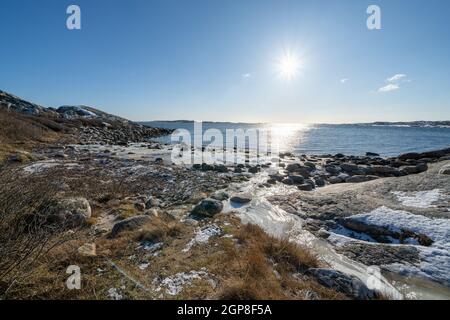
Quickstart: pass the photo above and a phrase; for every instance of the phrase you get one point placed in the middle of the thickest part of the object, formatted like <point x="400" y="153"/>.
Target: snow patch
<point x="396" y="220"/>
<point x="202" y="235"/>
<point x="435" y="260"/>
<point x="418" y="199"/>
<point x="176" y="283"/>
<point x="115" y="294"/>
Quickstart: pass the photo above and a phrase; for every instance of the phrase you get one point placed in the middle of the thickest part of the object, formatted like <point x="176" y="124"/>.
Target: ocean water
<point x="319" y="139"/>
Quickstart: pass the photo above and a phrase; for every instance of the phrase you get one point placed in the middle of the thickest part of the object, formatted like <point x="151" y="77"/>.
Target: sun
<point x="288" y="66"/>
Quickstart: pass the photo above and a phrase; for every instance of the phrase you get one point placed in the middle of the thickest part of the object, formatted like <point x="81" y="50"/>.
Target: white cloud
<point x="397" y="77"/>
<point x="389" y="87"/>
<point x="344" y="80"/>
<point x="246" y="75"/>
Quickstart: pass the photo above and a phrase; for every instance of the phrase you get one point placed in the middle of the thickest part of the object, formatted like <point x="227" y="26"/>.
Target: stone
<point x="152" y="202"/>
<point x="241" y="198"/>
<point x="421" y="167"/>
<point x="445" y="170"/>
<point x="221" y="196"/>
<point x="296" y="179"/>
<point x="70" y="212"/>
<point x="287" y="181"/>
<point x="372" y="154"/>
<point x="319" y="182"/>
<point x="349" y="285"/>
<point x="253" y="169"/>
<point x="139" y="206"/>
<point x="358" y="179"/>
<point x="383" y="170"/>
<point x="129" y="224"/>
<point x="208" y="207"/>
<point x="305" y="187"/>
<point x="334" y="180"/>
<point x="333" y="169"/>
<point x="87" y="250"/>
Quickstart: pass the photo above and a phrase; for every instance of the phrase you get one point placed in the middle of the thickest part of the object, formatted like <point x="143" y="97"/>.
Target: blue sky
<point x="216" y="59"/>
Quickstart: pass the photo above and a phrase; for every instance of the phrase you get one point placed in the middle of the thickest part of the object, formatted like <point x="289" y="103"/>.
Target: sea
<point x="319" y="139"/>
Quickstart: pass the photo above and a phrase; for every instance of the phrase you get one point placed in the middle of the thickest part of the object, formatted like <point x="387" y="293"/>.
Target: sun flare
<point x="288" y="66"/>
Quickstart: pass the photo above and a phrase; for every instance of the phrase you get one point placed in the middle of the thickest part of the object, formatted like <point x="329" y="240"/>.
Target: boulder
<point x="305" y="187"/>
<point x="152" y="202"/>
<point x="70" y="212"/>
<point x="297" y="179"/>
<point x="358" y="179"/>
<point x="319" y="182"/>
<point x="253" y="169"/>
<point x="421" y="167"/>
<point x="333" y="169"/>
<point x="220" y="195"/>
<point x="241" y="198"/>
<point x="87" y="250"/>
<point x="383" y="170"/>
<point x="445" y="170"/>
<point x="334" y="180"/>
<point x="287" y="181"/>
<point x="208" y="207"/>
<point x="372" y="154"/>
<point x="129" y="224"/>
<point x="349" y="285"/>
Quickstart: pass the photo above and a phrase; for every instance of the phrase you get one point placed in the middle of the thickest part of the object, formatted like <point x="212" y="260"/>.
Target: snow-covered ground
<point x="435" y="259"/>
<point x="203" y="235"/>
<point x="419" y="199"/>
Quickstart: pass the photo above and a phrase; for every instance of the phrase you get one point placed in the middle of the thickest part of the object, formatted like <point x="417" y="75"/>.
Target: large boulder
<point x="421" y="167"/>
<point x="70" y="212"/>
<point x="208" y="207"/>
<point x="349" y="285"/>
<point x="129" y="224"/>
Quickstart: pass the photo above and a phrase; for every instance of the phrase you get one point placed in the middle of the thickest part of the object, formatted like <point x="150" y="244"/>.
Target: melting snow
<point x="114" y="294"/>
<point x="435" y="260"/>
<point x="418" y="199"/>
<point x="437" y="229"/>
<point x="203" y="235"/>
<point x="175" y="284"/>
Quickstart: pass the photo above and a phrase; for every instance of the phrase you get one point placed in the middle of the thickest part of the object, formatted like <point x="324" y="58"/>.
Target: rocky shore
<point x="104" y="197"/>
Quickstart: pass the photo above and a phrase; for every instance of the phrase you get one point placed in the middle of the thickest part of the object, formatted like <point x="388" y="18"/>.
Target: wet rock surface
<point x="351" y="286"/>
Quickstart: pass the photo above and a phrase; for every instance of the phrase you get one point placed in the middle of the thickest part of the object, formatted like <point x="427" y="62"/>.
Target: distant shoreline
<point x="444" y="124"/>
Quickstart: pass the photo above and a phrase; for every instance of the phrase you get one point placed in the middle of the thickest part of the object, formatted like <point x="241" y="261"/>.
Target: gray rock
<point x="358" y="179"/>
<point x="333" y="169"/>
<point x="445" y="170"/>
<point x="334" y="180"/>
<point x="152" y="202"/>
<point x="293" y="167"/>
<point x="421" y="167"/>
<point x="208" y="207"/>
<point x="287" y="181"/>
<point x="319" y="182"/>
<point x="372" y="154"/>
<point x="383" y="170"/>
<point x="129" y="224"/>
<point x="253" y="169"/>
<point x="297" y="179"/>
<point x="70" y="212"/>
<point x="241" y="198"/>
<point x="305" y="187"/>
<point x="220" y="195"/>
<point x="351" y="286"/>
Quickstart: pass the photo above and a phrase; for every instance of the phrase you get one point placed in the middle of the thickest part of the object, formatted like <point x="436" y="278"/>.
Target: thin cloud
<point x="344" y="80"/>
<point x="246" y="75"/>
<point x="389" y="87"/>
<point x="396" y="78"/>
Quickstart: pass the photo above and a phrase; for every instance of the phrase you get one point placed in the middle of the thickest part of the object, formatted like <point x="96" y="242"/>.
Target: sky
<point x="285" y="61"/>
